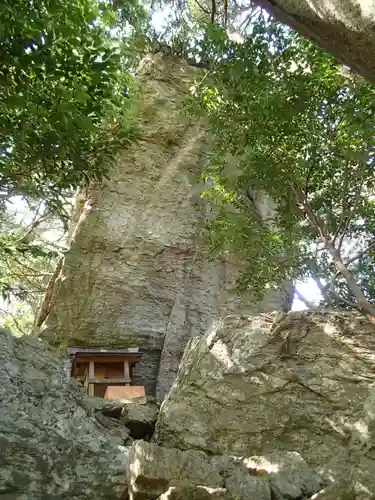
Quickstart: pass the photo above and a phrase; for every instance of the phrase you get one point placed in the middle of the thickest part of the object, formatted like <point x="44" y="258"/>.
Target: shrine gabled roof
<point x="97" y="351"/>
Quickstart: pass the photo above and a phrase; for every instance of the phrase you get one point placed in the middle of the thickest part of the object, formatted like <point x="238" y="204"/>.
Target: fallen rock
<point x="248" y="487"/>
<point x="288" y="474"/>
<point x="196" y="493"/>
<point x="241" y="482"/>
<point x="136" y="419"/>
<point x="306" y="386"/>
<point x="114" y="426"/>
<point x="140" y="419"/>
<point x="52" y="445"/>
<point x="153" y="469"/>
<point x="356" y="479"/>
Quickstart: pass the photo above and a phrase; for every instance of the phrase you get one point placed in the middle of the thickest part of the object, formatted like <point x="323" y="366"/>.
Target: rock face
<point x="253" y="414"/>
<point x="306" y="387"/>
<point x="52" y="444"/>
<point x="174" y="474"/>
<point x="130" y="421"/>
<point x="195" y="493"/>
<point x="136" y="274"/>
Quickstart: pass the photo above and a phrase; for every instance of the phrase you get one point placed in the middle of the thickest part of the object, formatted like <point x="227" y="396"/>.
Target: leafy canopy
<point x="291" y="126"/>
<point x="65" y="110"/>
<point x="63" y="95"/>
<point x="26" y="261"/>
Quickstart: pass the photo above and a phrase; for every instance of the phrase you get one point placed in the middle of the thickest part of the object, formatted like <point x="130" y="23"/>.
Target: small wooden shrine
<point x="106" y="373"/>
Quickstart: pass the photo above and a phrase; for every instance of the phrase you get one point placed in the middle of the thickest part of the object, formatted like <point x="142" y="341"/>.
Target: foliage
<point x="19" y="319"/>
<point x="299" y="131"/>
<point x="64" y="111"/>
<point x="290" y="126"/>
<point x="26" y="262"/>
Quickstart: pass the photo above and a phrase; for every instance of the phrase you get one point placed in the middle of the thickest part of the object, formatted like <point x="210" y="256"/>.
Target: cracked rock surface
<point x="137" y="274"/>
<point x="52" y="445"/>
<point x="167" y="473"/>
<point x="308" y="386"/>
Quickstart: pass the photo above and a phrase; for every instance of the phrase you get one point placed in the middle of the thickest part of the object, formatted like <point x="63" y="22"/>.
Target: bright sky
<point x="310" y="291"/>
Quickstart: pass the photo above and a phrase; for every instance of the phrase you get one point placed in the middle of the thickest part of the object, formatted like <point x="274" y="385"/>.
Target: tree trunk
<point x="344" y="28"/>
<point x="362" y="303"/>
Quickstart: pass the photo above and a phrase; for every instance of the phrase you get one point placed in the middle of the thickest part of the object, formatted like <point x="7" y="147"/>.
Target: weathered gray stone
<point x="52" y="446"/>
<point x="195" y="493"/>
<point x="115" y="426"/>
<point x="140" y="420"/>
<point x="131" y="420"/>
<point x="153" y="469"/>
<point x="307" y="387"/>
<point x="241" y="482"/>
<point x="146" y="413"/>
<point x="334" y="492"/>
<point x="136" y="274"/>
<point x="288" y="474"/>
<point x="245" y="487"/>
<point x="353" y="475"/>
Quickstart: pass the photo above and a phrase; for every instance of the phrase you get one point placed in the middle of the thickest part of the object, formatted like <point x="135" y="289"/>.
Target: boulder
<point x="140" y="419"/>
<point x="306" y="386"/>
<point x="115" y="426"/>
<point x="52" y="445"/>
<point x="288" y="474"/>
<point x="136" y="420"/>
<point x="244" y="487"/>
<point x="240" y="481"/>
<point x="153" y="469"/>
<point x="168" y="473"/>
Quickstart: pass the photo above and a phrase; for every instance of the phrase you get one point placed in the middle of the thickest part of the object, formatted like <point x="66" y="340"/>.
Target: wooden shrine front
<point x="106" y="373"/>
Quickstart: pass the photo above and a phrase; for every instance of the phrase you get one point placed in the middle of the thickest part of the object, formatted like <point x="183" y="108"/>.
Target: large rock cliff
<point x="259" y="411"/>
<point x="306" y="385"/>
<point x="136" y="274"/>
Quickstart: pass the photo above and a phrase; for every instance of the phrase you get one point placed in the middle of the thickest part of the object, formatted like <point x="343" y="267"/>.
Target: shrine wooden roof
<point x="97" y="351"/>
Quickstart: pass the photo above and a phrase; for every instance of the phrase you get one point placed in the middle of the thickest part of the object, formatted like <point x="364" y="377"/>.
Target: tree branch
<point x="225" y="5"/>
<point x="29" y="236"/>
<point x="360" y="254"/>
<point x="213" y="11"/>
<point x="350" y="216"/>
<point x="345" y="301"/>
<point x="34" y="271"/>
<point x="48" y="300"/>
<point x="344" y="201"/>
<point x="303" y="299"/>
<point x="317" y="225"/>
<point x="15" y="320"/>
<point x="350" y="261"/>
<point x="206" y="11"/>
<point x="363" y="304"/>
